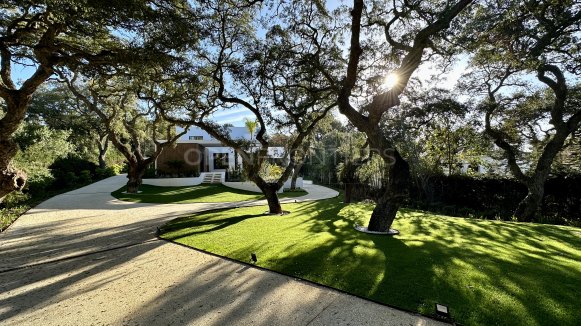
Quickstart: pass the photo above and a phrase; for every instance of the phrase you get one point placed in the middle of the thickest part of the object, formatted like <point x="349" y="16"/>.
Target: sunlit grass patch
<point x="204" y="193"/>
<point x="488" y="272"/>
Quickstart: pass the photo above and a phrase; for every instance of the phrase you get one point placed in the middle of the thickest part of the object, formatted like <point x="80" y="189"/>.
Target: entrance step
<point x="212" y="177"/>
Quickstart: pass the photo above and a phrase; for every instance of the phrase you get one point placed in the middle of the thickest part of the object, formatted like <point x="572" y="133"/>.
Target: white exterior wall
<point x="251" y="186"/>
<point x="213" y="146"/>
<point x="210" y="151"/>
<point x="275" y="152"/>
<point x="173" y="182"/>
<point x="235" y="133"/>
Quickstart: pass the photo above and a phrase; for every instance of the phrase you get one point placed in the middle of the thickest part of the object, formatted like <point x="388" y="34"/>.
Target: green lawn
<point x="204" y="193"/>
<point x="488" y="272"/>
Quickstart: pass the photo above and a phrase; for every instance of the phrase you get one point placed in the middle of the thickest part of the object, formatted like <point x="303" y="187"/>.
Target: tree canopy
<point x="98" y="37"/>
<point x="526" y="64"/>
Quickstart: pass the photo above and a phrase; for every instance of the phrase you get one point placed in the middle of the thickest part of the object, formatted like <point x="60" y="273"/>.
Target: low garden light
<point x="442" y="310"/>
<point x="253" y="258"/>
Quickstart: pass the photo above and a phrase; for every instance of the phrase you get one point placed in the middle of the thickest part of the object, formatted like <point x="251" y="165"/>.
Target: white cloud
<point x="235" y="119"/>
<point x="227" y="112"/>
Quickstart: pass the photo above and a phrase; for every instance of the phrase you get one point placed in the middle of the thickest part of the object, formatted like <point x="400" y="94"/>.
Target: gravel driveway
<point x="86" y="258"/>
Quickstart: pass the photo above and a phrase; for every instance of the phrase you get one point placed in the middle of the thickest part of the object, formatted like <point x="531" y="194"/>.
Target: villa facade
<point x="198" y="151"/>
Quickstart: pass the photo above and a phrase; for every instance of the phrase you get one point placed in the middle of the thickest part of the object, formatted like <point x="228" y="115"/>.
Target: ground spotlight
<point x="442" y="310"/>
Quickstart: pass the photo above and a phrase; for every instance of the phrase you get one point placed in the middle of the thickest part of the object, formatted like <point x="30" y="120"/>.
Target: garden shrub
<point x="72" y="170"/>
<point x="271" y="172"/>
<point x="161" y="173"/>
<point x="117" y="168"/>
<point x="149" y="172"/>
<point x="69" y="179"/>
<point x="38" y="184"/>
<point x="84" y="177"/>
<point x="73" y="164"/>
<point x="104" y="173"/>
<point x="14" y="198"/>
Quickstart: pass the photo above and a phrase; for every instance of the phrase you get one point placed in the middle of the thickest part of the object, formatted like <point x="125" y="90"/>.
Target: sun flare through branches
<point x="390" y="81"/>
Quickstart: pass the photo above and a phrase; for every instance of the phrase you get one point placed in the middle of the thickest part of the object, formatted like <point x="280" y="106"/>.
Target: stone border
<point x="173" y="182"/>
<point x="364" y="229"/>
<point x="272" y="214"/>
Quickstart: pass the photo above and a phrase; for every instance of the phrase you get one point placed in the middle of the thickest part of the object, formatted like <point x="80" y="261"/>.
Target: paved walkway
<point x="85" y="258"/>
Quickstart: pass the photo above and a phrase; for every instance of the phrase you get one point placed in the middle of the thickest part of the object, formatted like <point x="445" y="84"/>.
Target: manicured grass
<point x="488" y="272"/>
<point x="204" y="193"/>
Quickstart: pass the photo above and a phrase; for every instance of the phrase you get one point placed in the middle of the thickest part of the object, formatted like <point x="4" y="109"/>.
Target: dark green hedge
<point x="498" y="198"/>
<point x="488" y="198"/>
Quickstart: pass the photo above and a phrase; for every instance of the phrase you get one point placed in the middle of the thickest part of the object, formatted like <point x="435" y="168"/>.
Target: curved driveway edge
<point x="84" y="257"/>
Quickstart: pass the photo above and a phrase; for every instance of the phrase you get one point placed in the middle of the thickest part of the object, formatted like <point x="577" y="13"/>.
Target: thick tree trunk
<point x="529" y="207"/>
<point x="396" y="191"/>
<point x="102" y="162"/>
<point x="135" y="177"/>
<point x="296" y="172"/>
<point x="269" y="190"/>
<point x="383" y="215"/>
<point x="348" y="178"/>
<point x="274" y="206"/>
<point x="11" y="179"/>
<point x="348" y="192"/>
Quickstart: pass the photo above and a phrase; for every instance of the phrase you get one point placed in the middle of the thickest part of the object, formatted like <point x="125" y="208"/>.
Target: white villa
<point x="200" y="151"/>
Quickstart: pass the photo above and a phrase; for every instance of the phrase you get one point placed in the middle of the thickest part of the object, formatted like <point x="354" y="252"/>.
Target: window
<point x="196" y="138"/>
<point x="220" y="160"/>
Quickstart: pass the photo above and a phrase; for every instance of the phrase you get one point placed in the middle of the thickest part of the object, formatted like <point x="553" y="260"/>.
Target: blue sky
<point x="237" y="115"/>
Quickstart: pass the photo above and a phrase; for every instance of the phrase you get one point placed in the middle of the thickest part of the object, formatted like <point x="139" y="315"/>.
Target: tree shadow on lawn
<point x="488" y="272"/>
<point x="208" y="224"/>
